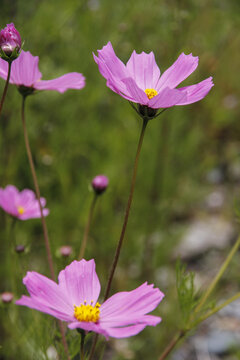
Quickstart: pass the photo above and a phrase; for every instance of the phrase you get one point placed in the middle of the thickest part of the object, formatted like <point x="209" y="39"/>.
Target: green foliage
<point x="185" y="291"/>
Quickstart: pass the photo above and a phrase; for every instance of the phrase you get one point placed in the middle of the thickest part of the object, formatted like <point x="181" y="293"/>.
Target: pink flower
<point x="10" y="40"/>
<point x="25" y="73"/>
<point x="22" y="205"/>
<point x="75" y="300"/>
<point x="139" y="81"/>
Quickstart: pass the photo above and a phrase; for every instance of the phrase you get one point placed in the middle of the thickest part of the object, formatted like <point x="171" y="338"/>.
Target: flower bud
<point x="10" y="43"/>
<point x="6" y="297"/>
<point x="65" y="250"/>
<point x="99" y="184"/>
<point x="19" y="249"/>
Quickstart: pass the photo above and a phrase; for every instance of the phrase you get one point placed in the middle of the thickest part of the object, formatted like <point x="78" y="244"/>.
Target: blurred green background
<point x="79" y="134"/>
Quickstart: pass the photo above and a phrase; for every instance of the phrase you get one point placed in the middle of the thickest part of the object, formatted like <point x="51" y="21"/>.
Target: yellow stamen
<point x="151" y="93"/>
<point x="87" y="313"/>
<point x="20" y="210"/>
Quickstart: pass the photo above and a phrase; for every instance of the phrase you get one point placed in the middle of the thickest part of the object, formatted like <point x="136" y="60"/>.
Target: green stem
<point x="127" y="211"/>
<point x="172" y="344"/>
<point x="215" y="310"/>
<point x="125" y="222"/>
<point x="83" y="335"/>
<point x="218" y="276"/>
<point x="87" y="228"/>
<point x="6" y="86"/>
<point x="44" y="225"/>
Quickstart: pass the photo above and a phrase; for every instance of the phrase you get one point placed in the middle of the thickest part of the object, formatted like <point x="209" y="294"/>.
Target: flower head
<point x="75" y="299"/>
<point x="21" y="204"/>
<point x="99" y="184"/>
<point x="26" y="75"/>
<point x="139" y="81"/>
<point x="10" y="42"/>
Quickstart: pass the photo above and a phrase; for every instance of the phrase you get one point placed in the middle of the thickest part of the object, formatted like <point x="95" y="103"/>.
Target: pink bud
<point x="99" y="184"/>
<point x="65" y="250"/>
<point x="19" y="249"/>
<point x="10" y="40"/>
<point x="6" y="297"/>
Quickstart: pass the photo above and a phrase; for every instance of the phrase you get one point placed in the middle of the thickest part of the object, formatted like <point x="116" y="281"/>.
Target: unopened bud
<point x="99" y="184"/>
<point x="19" y="249"/>
<point x="6" y="297"/>
<point x="10" y="43"/>
<point x="65" y="250"/>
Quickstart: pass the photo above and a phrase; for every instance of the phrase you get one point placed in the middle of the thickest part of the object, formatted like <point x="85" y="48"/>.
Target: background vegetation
<point x="79" y="134"/>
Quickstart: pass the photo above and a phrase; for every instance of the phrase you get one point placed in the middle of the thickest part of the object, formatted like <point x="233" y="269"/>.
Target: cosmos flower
<point x="21" y="204"/>
<point x="26" y="75"/>
<point x="10" y="42"/>
<point x="139" y="81"/>
<point x="74" y="299"/>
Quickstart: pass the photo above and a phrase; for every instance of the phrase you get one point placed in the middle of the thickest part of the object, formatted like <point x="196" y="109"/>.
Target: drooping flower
<point x="26" y="75"/>
<point x="21" y="204"/>
<point x="139" y="81"/>
<point x="74" y="299"/>
<point x="10" y="42"/>
<point x="100" y="183"/>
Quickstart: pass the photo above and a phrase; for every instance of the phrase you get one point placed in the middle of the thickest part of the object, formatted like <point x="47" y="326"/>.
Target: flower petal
<point x="137" y="95"/>
<point x="8" y="198"/>
<point x="132" y="303"/>
<point x="36" y="304"/>
<point x="196" y="92"/>
<point x="47" y="292"/>
<point x="144" y="70"/>
<point x="61" y="84"/>
<point x="179" y="71"/>
<point x="25" y="70"/>
<point x="167" y="98"/>
<point x="80" y="281"/>
<point x="125" y="331"/>
<point x="112" y="69"/>
<point x="88" y="326"/>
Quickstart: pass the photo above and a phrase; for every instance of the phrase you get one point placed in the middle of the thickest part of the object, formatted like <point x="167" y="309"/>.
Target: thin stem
<point x="218" y="276"/>
<point x="37" y="190"/>
<point x="6" y="86"/>
<point x="172" y="344"/>
<point x="125" y="222"/>
<point x="82" y="346"/>
<point x="127" y="211"/>
<point x="44" y="225"/>
<point x="215" y="310"/>
<point x="86" y="231"/>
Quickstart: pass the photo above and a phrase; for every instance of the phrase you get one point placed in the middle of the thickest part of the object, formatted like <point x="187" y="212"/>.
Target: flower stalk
<point x="128" y="207"/>
<point x="6" y="86"/>
<point x="44" y="225"/>
<point x="87" y="227"/>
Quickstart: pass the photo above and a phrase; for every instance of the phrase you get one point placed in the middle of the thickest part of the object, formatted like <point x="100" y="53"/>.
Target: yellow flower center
<point x="87" y="313"/>
<point x="151" y="93"/>
<point x="20" y="210"/>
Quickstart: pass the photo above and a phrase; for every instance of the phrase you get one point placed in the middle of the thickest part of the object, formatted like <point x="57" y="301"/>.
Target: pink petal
<point x="25" y="70"/>
<point x="125" y="331"/>
<point x="144" y="70"/>
<point x="136" y="302"/>
<point x="196" y="92"/>
<point x="3" y="69"/>
<point x="167" y="98"/>
<point x="48" y="293"/>
<point x="112" y="69"/>
<point x="8" y="198"/>
<point x="137" y="95"/>
<point x="88" y="326"/>
<point x="38" y="305"/>
<point x="179" y="71"/>
<point x="80" y="281"/>
<point x="68" y="81"/>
